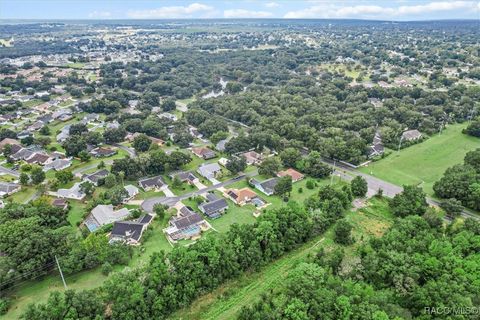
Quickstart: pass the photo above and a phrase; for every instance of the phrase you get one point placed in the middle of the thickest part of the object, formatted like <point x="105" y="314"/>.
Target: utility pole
<point x="400" y="143"/>
<point x="331" y="177"/>
<point x="61" y="273"/>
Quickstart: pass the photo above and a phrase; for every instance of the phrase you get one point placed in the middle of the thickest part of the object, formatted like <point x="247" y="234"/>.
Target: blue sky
<point x="130" y="9"/>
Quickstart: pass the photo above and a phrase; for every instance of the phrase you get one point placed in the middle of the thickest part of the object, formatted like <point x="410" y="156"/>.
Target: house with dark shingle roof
<point x="130" y="232"/>
<point x="184" y="176"/>
<point x="96" y="176"/>
<point x="39" y="158"/>
<point x="153" y="183"/>
<point x="185" y="227"/>
<point x="214" y="207"/>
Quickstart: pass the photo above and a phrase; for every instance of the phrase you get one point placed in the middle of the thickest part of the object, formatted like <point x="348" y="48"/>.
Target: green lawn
<point x="76" y="212"/>
<point x="23" y="195"/>
<point x="226" y="301"/>
<point x="37" y="291"/>
<point x="234" y="214"/>
<point x="424" y="163"/>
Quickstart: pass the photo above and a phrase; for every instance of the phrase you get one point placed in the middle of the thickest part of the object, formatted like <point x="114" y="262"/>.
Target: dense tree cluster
<point x="32" y="234"/>
<point x="390" y="282"/>
<point x="462" y="182"/>
<point x="155" y="161"/>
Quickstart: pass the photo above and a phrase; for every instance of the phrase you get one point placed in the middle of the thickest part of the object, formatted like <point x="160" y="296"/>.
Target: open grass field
<point x="227" y="300"/>
<point x="37" y="291"/>
<point x="424" y="163"/>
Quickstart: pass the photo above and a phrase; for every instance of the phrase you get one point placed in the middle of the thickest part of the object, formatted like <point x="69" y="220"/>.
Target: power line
<point x="61" y="273"/>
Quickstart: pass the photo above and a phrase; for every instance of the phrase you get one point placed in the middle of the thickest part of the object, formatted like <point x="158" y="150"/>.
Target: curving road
<point x="389" y="189"/>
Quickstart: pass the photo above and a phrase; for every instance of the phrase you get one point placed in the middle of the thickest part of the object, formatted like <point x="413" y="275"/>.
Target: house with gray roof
<point x="209" y="171"/>
<point x="153" y="183"/>
<point x="96" y="176"/>
<point x="104" y="214"/>
<point x="132" y="192"/>
<point x="7" y="188"/>
<point x="213" y="208"/>
<point x="266" y="187"/>
<point x="74" y="192"/>
<point x="58" y="164"/>
<point x="64" y="133"/>
<point x="22" y="154"/>
<point x="411" y="135"/>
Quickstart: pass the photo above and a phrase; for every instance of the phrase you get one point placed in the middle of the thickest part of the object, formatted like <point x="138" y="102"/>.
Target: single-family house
<point x="60" y="203"/>
<point x="294" y="174"/>
<point x="74" y="192"/>
<point x="252" y="157"/>
<point x="214" y="207"/>
<point x="184" y="176"/>
<point x="220" y="146"/>
<point x="64" y="133"/>
<point x="223" y="162"/>
<point x="89" y="118"/>
<point x="153" y="183"/>
<point x="204" y="153"/>
<point x="22" y="154"/>
<point x="101" y="152"/>
<point x="209" y="171"/>
<point x="411" y="135"/>
<point x="7" y="188"/>
<point x="130" y="232"/>
<point x="104" y="214"/>
<point x="39" y="158"/>
<point x="194" y="132"/>
<point x="185" y="227"/>
<point x="132" y="192"/>
<point x="267" y="187"/>
<point x="241" y="196"/>
<point x="96" y="177"/>
<point x="167" y="115"/>
<point x="57" y="165"/>
<point x="377" y="148"/>
<point x="24" y="134"/>
<point x="9" y="141"/>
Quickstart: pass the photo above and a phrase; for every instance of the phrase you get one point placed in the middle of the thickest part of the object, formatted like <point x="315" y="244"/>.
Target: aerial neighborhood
<point x="330" y="166"/>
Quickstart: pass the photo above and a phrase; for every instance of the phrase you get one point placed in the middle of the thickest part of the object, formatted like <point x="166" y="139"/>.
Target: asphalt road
<point x="9" y="171"/>
<point x="389" y="189"/>
<point x="92" y="166"/>
<point x="148" y="204"/>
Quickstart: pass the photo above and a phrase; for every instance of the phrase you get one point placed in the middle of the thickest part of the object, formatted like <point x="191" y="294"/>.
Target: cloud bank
<point x="332" y="10"/>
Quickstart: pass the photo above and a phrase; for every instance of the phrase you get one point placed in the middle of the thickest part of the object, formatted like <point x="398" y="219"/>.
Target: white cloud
<point x="100" y="14"/>
<point x="272" y="5"/>
<point x="242" y="13"/>
<point x="374" y="11"/>
<point x="172" y="12"/>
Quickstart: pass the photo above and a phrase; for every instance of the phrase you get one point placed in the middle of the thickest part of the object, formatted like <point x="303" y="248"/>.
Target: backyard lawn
<point x="424" y="163"/>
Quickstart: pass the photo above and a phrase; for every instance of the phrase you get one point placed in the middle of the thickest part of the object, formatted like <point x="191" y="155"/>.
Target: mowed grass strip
<point x="424" y="163"/>
<point x="226" y="301"/>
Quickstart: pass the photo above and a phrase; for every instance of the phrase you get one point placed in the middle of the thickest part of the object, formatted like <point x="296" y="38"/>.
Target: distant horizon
<point x="370" y="10"/>
<point x="239" y="19"/>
